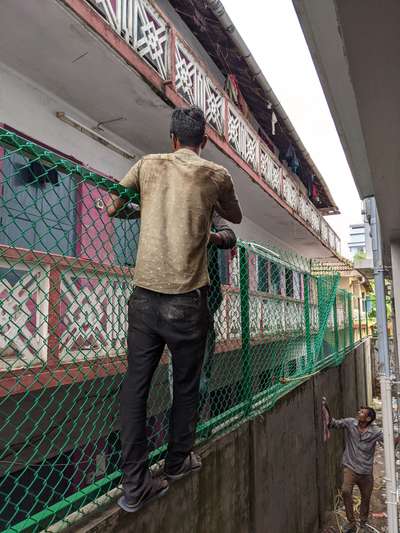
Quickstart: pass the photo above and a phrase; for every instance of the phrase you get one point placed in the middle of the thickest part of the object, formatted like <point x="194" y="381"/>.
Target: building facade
<point x="87" y="88"/>
<point x="360" y="241"/>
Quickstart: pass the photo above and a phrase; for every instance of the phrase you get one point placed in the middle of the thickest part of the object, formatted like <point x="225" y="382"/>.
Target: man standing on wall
<point x="361" y="436"/>
<point x="178" y="195"/>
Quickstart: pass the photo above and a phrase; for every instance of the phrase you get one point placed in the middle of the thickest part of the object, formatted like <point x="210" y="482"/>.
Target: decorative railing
<point x="35" y="280"/>
<point x="151" y="35"/>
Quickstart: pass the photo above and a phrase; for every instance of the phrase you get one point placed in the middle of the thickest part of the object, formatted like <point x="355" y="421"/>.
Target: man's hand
<point x="119" y="208"/>
<point x="115" y="205"/>
<point x="215" y="238"/>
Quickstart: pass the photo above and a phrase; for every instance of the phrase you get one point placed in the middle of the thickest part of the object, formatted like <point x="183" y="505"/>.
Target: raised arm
<point x="340" y="423"/>
<point x="228" y="205"/>
<point x="223" y="235"/>
<point x="119" y="207"/>
<point x="334" y="423"/>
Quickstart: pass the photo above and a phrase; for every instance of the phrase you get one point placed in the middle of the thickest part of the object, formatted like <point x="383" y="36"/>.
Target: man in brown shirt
<point x="178" y="195"/>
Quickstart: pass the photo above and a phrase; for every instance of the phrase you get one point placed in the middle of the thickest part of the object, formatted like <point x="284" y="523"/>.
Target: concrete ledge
<point x="273" y="474"/>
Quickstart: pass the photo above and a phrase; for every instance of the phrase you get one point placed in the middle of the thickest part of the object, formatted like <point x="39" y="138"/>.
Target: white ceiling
<point x="355" y="45"/>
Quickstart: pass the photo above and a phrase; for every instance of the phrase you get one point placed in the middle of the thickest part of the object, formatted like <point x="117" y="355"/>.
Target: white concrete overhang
<point x="355" y="46"/>
<point x="59" y="53"/>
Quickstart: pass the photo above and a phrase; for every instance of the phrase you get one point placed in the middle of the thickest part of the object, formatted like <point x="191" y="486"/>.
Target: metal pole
<point x="320" y="306"/>
<point x="359" y="318"/>
<point x="310" y="358"/>
<point x="247" y="389"/>
<point x="345" y="321"/>
<point x="336" y="328"/>
<point x="351" y="325"/>
<point x="384" y="368"/>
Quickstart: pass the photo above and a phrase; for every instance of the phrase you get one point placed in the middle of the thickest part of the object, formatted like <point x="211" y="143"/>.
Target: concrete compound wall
<point x="274" y="474"/>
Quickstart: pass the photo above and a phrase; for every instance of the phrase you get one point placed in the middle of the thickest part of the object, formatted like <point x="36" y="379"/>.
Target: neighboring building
<point x="87" y="88"/>
<point x="357" y="243"/>
<point x="360" y="240"/>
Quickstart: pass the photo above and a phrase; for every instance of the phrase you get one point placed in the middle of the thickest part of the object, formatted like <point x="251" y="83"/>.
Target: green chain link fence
<point x="65" y="278"/>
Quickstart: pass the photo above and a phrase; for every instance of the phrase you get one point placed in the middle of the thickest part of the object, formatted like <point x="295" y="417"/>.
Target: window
<point x="289" y="283"/>
<point x="223" y="263"/>
<point x="297" y="286"/>
<point x="253" y="272"/>
<point x="38" y="209"/>
<point x="292" y="367"/>
<point x="263" y="275"/>
<point x="275" y="278"/>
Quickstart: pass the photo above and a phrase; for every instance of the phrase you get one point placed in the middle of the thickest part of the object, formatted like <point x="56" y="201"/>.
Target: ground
<point x="378" y="506"/>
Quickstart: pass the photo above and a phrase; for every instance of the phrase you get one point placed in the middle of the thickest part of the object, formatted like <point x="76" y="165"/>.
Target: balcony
<point x="151" y="34"/>
<point x="139" y="67"/>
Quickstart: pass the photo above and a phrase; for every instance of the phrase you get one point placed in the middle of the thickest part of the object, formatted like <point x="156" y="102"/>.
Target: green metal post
<point x="350" y="311"/>
<point x="359" y="318"/>
<point x="345" y="321"/>
<point x="247" y="389"/>
<point x="335" y="325"/>
<point x="310" y="358"/>
<point x="366" y="317"/>
<point x="320" y="311"/>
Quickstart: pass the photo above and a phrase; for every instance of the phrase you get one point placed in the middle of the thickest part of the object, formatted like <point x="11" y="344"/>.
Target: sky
<point x="273" y="33"/>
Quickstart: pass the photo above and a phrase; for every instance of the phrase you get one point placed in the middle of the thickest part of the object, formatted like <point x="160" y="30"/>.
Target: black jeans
<point x="180" y="321"/>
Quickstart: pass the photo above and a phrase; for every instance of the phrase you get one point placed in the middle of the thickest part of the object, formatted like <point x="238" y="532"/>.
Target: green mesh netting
<point x="65" y="278"/>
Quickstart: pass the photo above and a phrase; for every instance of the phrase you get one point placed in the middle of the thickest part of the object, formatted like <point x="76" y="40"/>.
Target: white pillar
<point x="384" y="368"/>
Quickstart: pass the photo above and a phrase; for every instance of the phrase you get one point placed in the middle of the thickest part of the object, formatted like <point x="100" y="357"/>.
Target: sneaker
<point x="157" y="488"/>
<point x="189" y="465"/>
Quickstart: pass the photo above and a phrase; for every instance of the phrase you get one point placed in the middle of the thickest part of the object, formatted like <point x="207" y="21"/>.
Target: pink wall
<point x="1" y="170"/>
<point x="95" y="230"/>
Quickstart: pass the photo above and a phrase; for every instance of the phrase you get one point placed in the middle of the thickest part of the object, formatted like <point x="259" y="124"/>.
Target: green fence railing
<point x="65" y="278"/>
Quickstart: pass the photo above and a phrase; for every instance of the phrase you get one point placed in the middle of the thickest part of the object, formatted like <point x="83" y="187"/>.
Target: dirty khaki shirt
<point x="178" y="195"/>
<point x="360" y="447"/>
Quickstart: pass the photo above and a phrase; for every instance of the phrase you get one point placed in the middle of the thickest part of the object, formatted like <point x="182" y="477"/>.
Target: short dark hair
<point x="371" y="412"/>
<point x="188" y="125"/>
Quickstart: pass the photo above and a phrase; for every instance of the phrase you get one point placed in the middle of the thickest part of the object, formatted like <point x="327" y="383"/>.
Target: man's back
<point x="178" y="194"/>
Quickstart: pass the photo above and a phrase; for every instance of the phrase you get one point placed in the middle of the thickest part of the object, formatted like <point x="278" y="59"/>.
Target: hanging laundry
<point x="308" y="182"/>
<point x="39" y="174"/>
<point x="292" y="160"/>
<point x="315" y="192"/>
<point x="274" y="122"/>
<point x="234" y="93"/>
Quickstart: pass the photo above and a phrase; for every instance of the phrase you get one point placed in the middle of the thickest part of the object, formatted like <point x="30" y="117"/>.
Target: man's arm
<point x="334" y="423"/>
<point x="227" y="204"/>
<point x="127" y="210"/>
<point x="379" y="439"/>
<point x="223" y="237"/>
<point x="117" y="206"/>
<point x="340" y="423"/>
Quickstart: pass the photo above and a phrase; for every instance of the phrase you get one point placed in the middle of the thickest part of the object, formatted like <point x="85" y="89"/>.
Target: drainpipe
<point x="384" y="367"/>
<point x="219" y="11"/>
